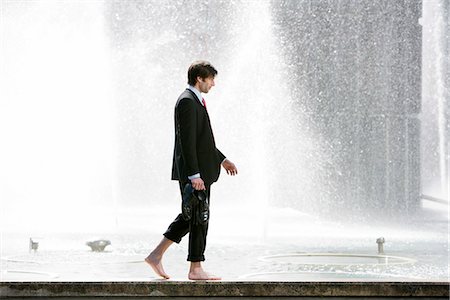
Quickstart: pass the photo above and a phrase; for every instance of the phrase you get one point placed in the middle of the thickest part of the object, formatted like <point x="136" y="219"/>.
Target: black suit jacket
<point x="195" y="149"/>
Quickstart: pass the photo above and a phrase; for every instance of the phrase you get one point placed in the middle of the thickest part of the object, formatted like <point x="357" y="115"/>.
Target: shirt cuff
<point x="223" y="160"/>
<point x="194" y="176"/>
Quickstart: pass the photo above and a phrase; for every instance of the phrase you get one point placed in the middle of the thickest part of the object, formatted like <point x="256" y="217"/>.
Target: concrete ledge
<point x="224" y="289"/>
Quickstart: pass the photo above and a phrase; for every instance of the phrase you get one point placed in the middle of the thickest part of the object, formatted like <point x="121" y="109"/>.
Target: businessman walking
<point x="196" y="160"/>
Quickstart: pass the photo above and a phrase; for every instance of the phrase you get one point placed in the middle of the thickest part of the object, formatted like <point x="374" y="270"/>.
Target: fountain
<point x="317" y="102"/>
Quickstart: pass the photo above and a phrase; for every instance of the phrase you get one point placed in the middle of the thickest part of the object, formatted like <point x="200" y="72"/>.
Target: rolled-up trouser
<point x="197" y="232"/>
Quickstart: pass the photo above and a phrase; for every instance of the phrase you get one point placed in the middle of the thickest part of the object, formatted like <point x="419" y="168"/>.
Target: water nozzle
<point x="380" y="242"/>
<point x="98" y="245"/>
<point x="33" y="245"/>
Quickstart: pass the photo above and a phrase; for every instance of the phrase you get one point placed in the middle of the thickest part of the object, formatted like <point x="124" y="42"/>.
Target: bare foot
<point x="199" y="274"/>
<point x="155" y="263"/>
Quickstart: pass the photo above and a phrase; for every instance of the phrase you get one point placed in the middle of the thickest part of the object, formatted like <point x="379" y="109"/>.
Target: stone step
<point x="249" y="289"/>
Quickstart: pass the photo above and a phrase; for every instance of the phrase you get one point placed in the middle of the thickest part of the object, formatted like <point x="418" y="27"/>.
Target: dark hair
<point x="201" y="68"/>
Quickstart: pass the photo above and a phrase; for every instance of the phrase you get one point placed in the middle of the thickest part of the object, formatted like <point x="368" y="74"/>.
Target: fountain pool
<point x="319" y="251"/>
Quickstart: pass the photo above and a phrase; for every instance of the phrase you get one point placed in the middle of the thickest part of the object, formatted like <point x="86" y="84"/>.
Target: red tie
<point x="204" y="103"/>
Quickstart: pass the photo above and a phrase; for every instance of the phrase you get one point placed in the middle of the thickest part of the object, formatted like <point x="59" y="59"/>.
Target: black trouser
<point x="197" y="233"/>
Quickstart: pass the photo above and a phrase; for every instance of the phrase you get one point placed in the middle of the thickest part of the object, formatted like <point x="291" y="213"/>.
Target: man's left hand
<point x="230" y="167"/>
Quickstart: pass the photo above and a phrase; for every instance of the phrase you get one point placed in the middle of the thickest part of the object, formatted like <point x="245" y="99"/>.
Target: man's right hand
<point x="198" y="184"/>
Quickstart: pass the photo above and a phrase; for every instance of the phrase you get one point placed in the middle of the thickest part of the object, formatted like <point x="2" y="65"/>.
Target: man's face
<point x="205" y="84"/>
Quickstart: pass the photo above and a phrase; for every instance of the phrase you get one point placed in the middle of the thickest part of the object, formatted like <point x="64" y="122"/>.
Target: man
<point x="196" y="160"/>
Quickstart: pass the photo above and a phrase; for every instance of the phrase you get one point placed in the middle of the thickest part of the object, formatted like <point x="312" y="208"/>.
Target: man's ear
<point x="199" y="79"/>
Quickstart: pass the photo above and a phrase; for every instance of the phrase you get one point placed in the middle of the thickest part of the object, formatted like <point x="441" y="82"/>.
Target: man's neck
<point x="196" y="92"/>
<point x="197" y="86"/>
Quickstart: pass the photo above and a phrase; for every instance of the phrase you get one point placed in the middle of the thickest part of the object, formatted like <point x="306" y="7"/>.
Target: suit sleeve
<point x="220" y="155"/>
<point x="186" y="114"/>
